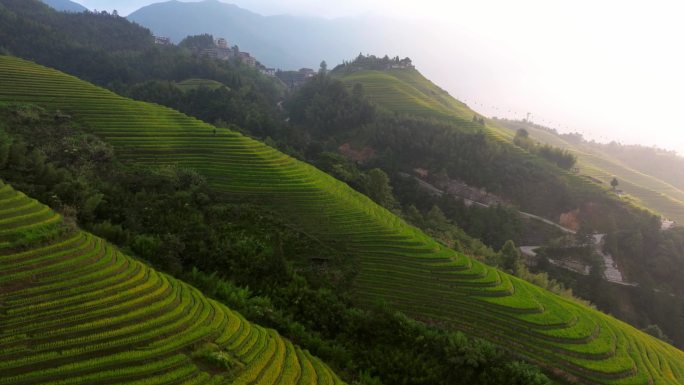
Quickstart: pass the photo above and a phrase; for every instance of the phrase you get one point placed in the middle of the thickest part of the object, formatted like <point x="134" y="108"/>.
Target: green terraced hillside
<point x="194" y="84"/>
<point x="398" y="263"/>
<point x="74" y="310"/>
<point x="650" y="191"/>
<point x="407" y="91"/>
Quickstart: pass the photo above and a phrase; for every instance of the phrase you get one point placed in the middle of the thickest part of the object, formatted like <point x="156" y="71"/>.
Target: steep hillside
<point x="398" y="263"/>
<point x="648" y="190"/>
<point x="664" y="164"/>
<point x="75" y="310"/>
<point x="530" y="177"/>
<point x="406" y="91"/>
<point x="435" y="132"/>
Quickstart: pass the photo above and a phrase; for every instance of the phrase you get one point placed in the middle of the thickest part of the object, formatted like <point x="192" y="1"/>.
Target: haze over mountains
<point x="287" y="42"/>
<point x="558" y="61"/>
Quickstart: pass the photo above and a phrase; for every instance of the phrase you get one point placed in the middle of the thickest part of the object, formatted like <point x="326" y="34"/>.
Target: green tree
<point x="656" y="332"/>
<point x="198" y="42"/>
<point x="5" y="145"/>
<point x="358" y="91"/>
<point x="414" y="216"/>
<point x="510" y="256"/>
<point x="522" y="139"/>
<point x="436" y="219"/>
<point x="614" y="183"/>
<point x="378" y="188"/>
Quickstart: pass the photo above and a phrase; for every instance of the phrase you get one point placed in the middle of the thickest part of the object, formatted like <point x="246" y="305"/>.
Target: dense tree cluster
<point x="326" y="107"/>
<point x="198" y="42"/>
<point x="558" y="156"/>
<point x="372" y="62"/>
<point x="244" y="107"/>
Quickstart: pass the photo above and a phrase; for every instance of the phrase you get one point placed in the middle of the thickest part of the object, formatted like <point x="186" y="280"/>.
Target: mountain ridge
<point x="287" y="42"/>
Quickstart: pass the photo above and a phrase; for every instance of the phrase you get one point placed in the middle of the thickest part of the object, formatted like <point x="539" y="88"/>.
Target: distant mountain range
<point x="65" y="5"/>
<point x="287" y="42"/>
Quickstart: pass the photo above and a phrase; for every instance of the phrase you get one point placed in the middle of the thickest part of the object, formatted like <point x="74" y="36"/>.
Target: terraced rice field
<point x="407" y="91"/>
<point x="193" y="84"/>
<point x="74" y="310"/>
<point x="398" y="263"/>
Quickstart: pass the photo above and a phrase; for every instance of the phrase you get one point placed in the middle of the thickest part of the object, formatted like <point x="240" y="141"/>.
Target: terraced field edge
<point x="75" y="310"/>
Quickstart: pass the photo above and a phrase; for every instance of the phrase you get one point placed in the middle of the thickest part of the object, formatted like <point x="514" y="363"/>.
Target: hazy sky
<point x="609" y="69"/>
